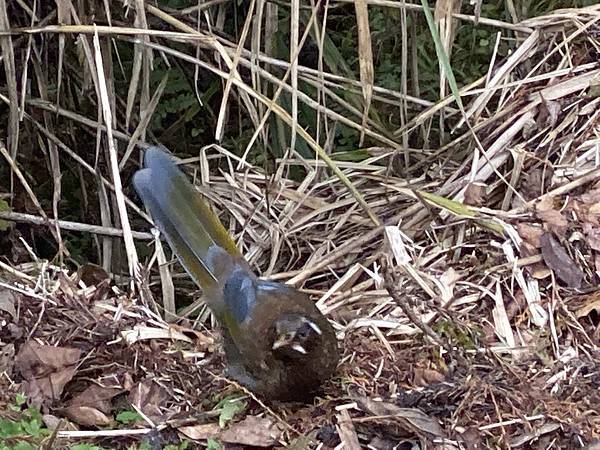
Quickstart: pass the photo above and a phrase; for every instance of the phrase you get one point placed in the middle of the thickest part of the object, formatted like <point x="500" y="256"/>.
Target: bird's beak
<point x="281" y="341"/>
<point x="299" y="349"/>
<point x="315" y="327"/>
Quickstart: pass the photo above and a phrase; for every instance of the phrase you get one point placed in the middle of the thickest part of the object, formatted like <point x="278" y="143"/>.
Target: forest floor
<point x="463" y="287"/>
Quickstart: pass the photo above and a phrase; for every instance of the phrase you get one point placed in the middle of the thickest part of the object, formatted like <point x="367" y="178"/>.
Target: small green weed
<point x="181" y="446"/>
<point x="212" y="444"/>
<point x="85" y="447"/>
<point x="24" y="429"/>
<point x="129" y="416"/>
<point x="230" y="406"/>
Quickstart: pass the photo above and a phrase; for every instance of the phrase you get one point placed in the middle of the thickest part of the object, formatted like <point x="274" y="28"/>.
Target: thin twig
<point x="71" y="226"/>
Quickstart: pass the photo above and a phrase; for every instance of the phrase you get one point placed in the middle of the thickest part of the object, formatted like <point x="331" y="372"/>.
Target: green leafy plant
<point x="230" y="406"/>
<point x="181" y="446"/>
<point x="212" y="444"/>
<point x="128" y="416"/>
<point x="23" y="430"/>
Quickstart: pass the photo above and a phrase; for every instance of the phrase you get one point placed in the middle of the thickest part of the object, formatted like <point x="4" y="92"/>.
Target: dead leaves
<point x="8" y="299"/>
<point x="590" y="305"/>
<point x="585" y="209"/>
<point x="560" y="262"/>
<point x="8" y="314"/>
<point x="200" y="432"/>
<point x="552" y="218"/>
<point x="97" y="396"/>
<point x="424" y="377"/>
<point x="554" y="256"/>
<point x="93" y="406"/>
<point x="86" y="416"/>
<point x="530" y="234"/>
<point x="475" y="194"/>
<point x="253" y="431"/>
<point x="411" y="420"/>
<point x="7" y="358"/>
<point x="148" y="397"/>
<point x="579" y="212"/>
<point x="588" y="309"/>
<point x="46" y="369"/>
<point x="592" y="235"/>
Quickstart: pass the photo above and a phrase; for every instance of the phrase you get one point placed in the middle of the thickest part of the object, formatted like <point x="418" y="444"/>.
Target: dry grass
<point x="461" y="278"/>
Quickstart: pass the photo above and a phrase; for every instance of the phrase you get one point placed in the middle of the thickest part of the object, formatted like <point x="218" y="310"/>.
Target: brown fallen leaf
<point x="472" y="438"/>
<point x="347" y="432"/>
<point x="586" y="213"/>
<point x="560" y="262"/>
<point x="51" y="421"/>
<point x="530" y="234"/>
<point x="36" y="359"/>
<point x="86" y="416"/>
<point x="590" y="197"/>
<point x="549" y="112"/>
<point x="591" y="304"/>
<point x="410" y="419"/>
<point x="475" y="194"/>
<point x="594" y="209"/>
<point x="534" y="183"/>
<point x="537" y="270"/>
<point x="97" y="396"/>
<point x="252" y="431"/>
<point x="46" y="369"/>
<point x="7" y="302"/>
<point x="202" y="341"/>
<point x="540" y="271"/>
<point x="7" y="358"/>
<point x="201" y="431"/>
<point x="534" y="434"/>
<point x="424" y="377"/>
<point x="592" y="235"/>
<point x="92" y="274"/>
<point x="553" y="219"/>
<point x="148" y="396"/>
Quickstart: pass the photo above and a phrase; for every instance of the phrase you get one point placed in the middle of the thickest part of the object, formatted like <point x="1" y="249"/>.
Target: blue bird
<point x="277" y="343"/>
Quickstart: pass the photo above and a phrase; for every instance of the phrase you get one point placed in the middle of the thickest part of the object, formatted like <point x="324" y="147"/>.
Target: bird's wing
<point x="239" y="294"/>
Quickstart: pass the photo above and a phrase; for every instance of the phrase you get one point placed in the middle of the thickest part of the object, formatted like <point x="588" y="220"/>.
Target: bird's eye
<point x="302" y="333"/>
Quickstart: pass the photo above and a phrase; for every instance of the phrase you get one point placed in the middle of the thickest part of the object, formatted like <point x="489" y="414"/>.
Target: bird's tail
<point x="192" y="230"/>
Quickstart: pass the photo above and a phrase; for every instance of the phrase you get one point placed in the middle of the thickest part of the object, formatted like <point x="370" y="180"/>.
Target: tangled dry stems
<point x="510" y="353"/>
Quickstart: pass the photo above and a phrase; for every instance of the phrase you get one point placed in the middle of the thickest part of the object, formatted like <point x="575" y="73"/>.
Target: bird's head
<point x="295" y="334"/>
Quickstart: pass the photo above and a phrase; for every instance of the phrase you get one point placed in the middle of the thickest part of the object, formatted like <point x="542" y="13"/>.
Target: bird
<point x="277" y="343"/>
